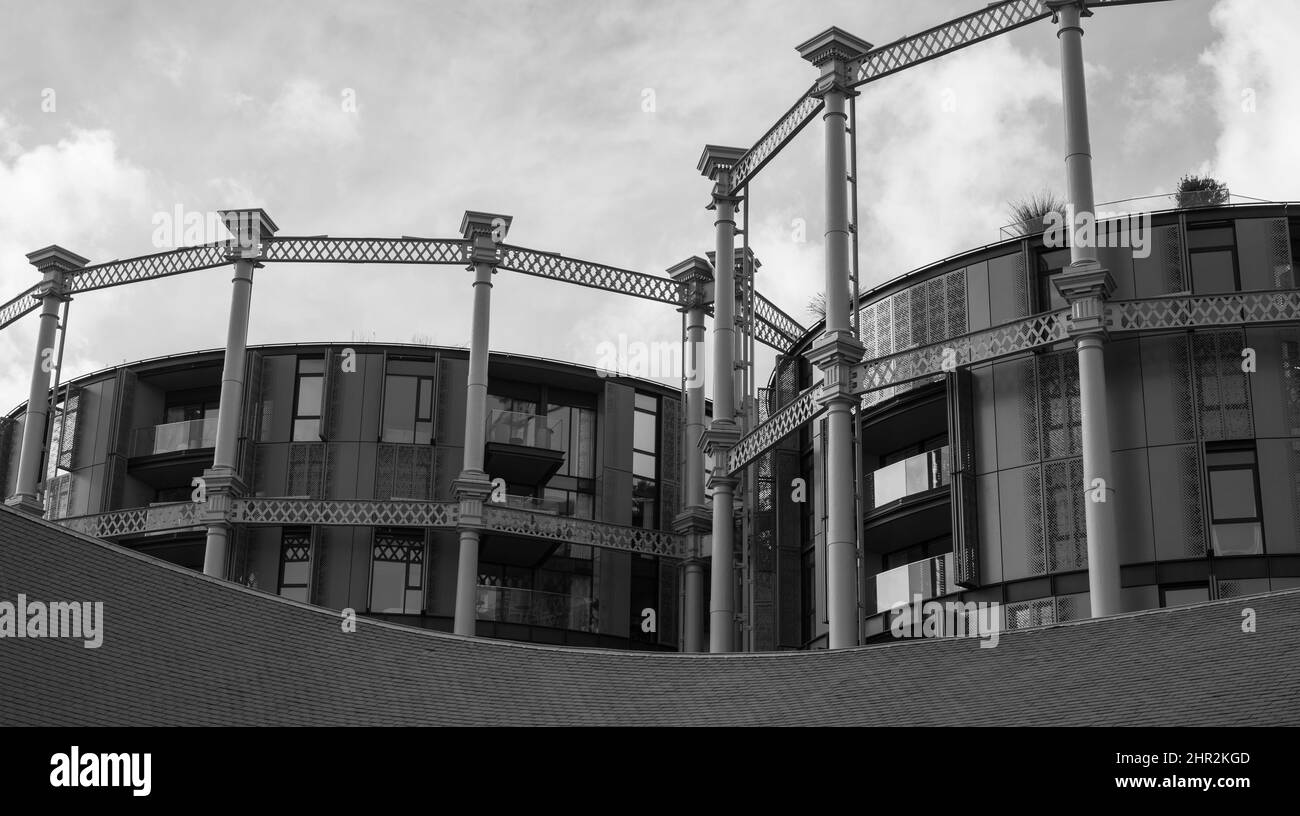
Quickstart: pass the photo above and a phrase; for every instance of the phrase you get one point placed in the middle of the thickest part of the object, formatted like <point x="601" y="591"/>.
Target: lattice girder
<point x="118" y="523"/>
<point x="780" y="425"/>
<point x="19" y="306"/>
<point x="514" y="521"/>
<point x="593" y="275"/>
<point x="325" y="249"/>
<point x="345" y="513"/>
<point x="785" y="129"/>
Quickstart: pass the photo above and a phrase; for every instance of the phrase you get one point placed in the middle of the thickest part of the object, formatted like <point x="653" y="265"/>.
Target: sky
<point x="583" y="120"/>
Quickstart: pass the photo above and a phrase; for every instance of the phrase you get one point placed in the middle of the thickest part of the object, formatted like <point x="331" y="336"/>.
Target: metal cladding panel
<point x="1166" y="389"/>
<point x="964" y="504"/>
<point x="1008" y="288"/>
<point x="671" y="461"/>
<point x="1275" y="384"/>
<point x="1176" y="502"/>
<point x="1124" y="399"/>
<point x="1161" y="272"/>
<point x="1063" y="506"/>
<point x="989" y="519"/>
<point x="1119" y="262"/>
<point x="404" y="471"/>
<point x="1060" y="419"/>
<point x="306" y="473"/>
<point x="1221" y="389"/>
<point x="1016" y="395"/>
<point x="1279" y="487"/>
<point x="1263" y="254"/>
<point x="1020" y="499"/>
<point x="977" y="296"/>
<point x="1133" y="506"/>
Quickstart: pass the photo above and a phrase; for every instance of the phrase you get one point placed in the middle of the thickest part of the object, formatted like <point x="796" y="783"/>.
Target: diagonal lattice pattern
<point x="946" y="38"/>
<point x="763" y="438"/>
<point x="1207" y="310"/>
<point x="771" y="336"/>
<point x="594" y="275"/>
<point x="18" y="307"/>
<point x="511" y="521"/>
<point x="323" y="249"/>
<point x="147" y="267"/>
<point x="785" y="129"/>
<point x="159" y="518"/>
<point x="342" y="513"/>
<point x="989" y="344"/>
<point x="780" y="322"/>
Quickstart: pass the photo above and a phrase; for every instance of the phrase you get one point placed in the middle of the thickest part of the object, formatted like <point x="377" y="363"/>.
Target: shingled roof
<point x="184" y="649"/>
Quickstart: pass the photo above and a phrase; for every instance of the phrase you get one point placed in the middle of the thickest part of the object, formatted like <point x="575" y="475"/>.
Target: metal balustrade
<point x="909" y="477"/>
<point x="533" y="607"/>
<point x="173" y="437"/>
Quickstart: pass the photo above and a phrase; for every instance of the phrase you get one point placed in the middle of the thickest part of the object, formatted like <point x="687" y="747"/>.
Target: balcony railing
<point x="909" y="477"/>
<point x="175" y="436"/>
<point x="532" y="430"/>
<point x="536" y="505"/>
<point x="930" y="578"/>
<point x="534" y="607"/>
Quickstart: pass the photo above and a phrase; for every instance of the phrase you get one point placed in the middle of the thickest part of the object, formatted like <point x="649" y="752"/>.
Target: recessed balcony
<point x="524" y="449"/>
<point x="894" y="484"/>
<point x="170" y="454"/>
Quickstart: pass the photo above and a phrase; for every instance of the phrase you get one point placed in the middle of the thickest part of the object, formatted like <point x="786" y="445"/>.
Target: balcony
<point x="174" y="437"/>
<point x="913" y="476"/>
<point x="524" y="449"/>
<point x="533" y="607"/>
<point x="929" y="578"/>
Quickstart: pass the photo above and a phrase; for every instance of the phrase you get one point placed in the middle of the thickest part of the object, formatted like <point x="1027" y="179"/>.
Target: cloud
<point x="1255" y="97"/>
<point x="306" y="112"/>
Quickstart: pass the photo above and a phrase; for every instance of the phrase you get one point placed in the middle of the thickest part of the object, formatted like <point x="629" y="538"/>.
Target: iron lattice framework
<point x="324" y="249"/>
<point x="345" y="513"/>
<point x="512" y="521"/>
<point x="946" y="38"/>
<point x="118" y="523"/>
<point x="775" y="328"/>
<point x="780" y="425"/>
<point x="1208" y="310"/>
<point x="785" y="129"/>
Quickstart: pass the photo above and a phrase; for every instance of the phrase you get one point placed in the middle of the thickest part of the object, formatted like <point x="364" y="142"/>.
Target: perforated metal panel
<point x="1025" y="614"/>
<point x="1189" y="486"/>
<point x="1064" y="521"/>
<point x="670" y="462"/>
<point x="404" y="472"/>
<point x="1170" y="252"/>
<point x="1279" y="254"/>
<point x="1060" y="419"/>
<point x="66" y="439"/>
<point x="1221" y="392"/>
<point x="1035" y="545"/>
<point x="307" y="469"/>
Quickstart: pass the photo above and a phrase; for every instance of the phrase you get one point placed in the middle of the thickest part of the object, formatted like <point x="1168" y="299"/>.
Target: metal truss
<point x="938" y="358"/>
<point x="324" y="249"/>
<point x="118" y="523"/>
<point x="593" y="275"/>
<point x="512" y="521"/>
<point x="19" y="306"/>
<point x="345" y="513"/>
<point x="782" y="324"/>
<point x="785" y="129"/>
<point x="1208" y="310"/>
<point x="780" y="425"/>
<point x="147" y="267"/>
<point x="946" y="38"/>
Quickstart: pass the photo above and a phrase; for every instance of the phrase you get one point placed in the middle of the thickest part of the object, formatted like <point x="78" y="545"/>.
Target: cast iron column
<point x="1086" y="286"/>
<point x="54" y="263"/>
<point x="483" y="231"/>
<point x="252" y="230"/>
<point x="837" y="350"/>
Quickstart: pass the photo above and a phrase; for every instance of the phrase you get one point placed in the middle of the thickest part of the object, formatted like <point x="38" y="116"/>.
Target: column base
<point x="26" y="504"/>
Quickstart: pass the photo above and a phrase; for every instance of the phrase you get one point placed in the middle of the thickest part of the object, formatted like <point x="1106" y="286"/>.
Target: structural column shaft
<point x="695" y="373"/>
<point x="1103" y="557"/>
<point x="722" y="610"/>
<point x="722" y="606"/>
<point x="1078" y="147"/>
<point x="229" y="414"/>
<point x="37" y="415"/>
<point x="694" y="613"/>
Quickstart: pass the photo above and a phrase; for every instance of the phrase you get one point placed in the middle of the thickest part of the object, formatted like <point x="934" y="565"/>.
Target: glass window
<point x="643" y="464"/>
<point x="1050" y="264"/>
<point x="1210" y="237"/>
<point x="645" y="493"/>
<point x="1232" y="493"/>
<point x="643" y="431"/>
<point x="408" y="409"/>
<point x="1213" y="271"/>
<point x="397" y="573"/>
<point x="647" y="402"/>
<point x="295" y="563"/>
<point x="307" y="399"/>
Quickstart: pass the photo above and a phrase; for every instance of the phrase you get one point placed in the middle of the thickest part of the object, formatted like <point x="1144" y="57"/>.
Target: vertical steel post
<point x="695" y="283"/>
<point x="252" y="229"/>
<point x="838" y="349"/>
<point x="55" y="265"/>
<point x="1085" y="286"/>
<point x="484" y="232"/>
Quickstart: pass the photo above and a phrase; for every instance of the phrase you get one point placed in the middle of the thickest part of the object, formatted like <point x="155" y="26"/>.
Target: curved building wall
<point x="376" y="423"/>
<point x="1206" y="453"/>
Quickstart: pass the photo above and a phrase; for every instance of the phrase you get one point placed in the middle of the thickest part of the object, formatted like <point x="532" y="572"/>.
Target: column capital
<point x="250" y="229"/>
<point x="694" y="277"/>
<point x="835" y="353"/>
<point x="719" y="438"/>
<point x="693" y="519"/>
<point x="55" y="263"/>
<point x="746" y="262"/>
<point x="485" y="231"/>
<point x="1056" y="5"/>
<point x="833" y="51"/>
<point x="472" y="488"/>
<point x="715" y="164"/>
<point x="222" y="486"/>
<point x="1085" y="286"/>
